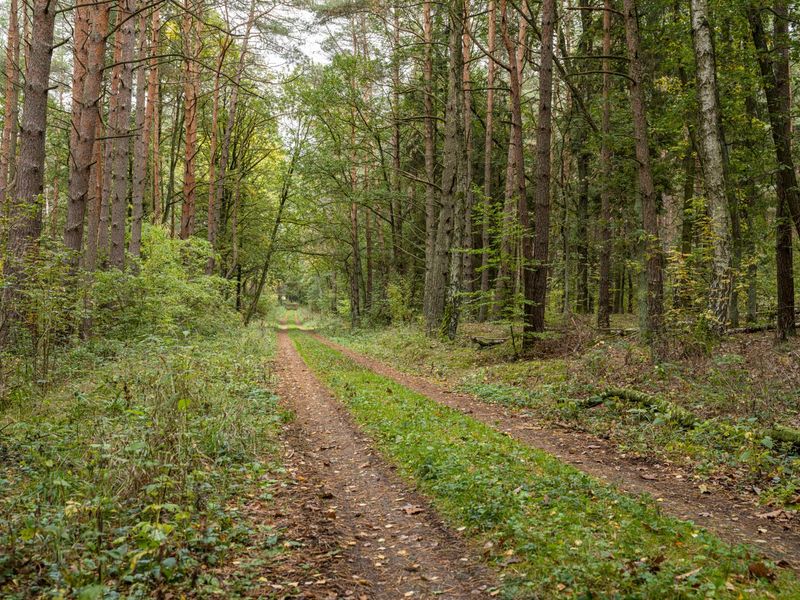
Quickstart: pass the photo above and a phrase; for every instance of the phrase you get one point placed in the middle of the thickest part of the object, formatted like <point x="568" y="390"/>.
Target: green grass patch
<point x="552" y="529"/>
<point x="126" y="477"/>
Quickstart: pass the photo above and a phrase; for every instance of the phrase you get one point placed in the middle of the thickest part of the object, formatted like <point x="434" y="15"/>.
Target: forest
<point x="399" y="299"/>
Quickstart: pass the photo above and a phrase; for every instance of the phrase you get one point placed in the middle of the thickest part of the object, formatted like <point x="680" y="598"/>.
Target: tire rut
<point x="393" y="541"/>
<point x="734" y="517"/>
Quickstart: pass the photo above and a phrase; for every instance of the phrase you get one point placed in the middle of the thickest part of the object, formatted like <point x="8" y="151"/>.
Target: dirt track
<point x="734" y="518"/>
<point x="392" y="543"/>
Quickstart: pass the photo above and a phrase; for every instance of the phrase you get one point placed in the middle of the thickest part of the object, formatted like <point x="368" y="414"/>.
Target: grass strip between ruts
<point x="551" y="529"/>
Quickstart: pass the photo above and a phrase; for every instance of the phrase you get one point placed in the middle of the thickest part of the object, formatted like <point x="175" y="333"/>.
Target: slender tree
<point x="714" y="163"/>
<point x="654" y="318"/>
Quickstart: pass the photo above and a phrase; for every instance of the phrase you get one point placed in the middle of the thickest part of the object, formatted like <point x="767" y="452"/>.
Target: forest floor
<point x="732" y="515"/>
<point x="382" y="494"/>
<point x="390" y="543"/>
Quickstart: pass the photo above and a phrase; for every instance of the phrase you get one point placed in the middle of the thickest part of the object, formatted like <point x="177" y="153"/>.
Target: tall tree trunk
<point x="94" y="197"/>
<point x="652" y="247"/>
<point x="141" y="141"/>
<point x="8" y="144"/>
<point x="469" y="174"/>
<point x="191" y="85"/>
<point x="153" y="114"/>
<point x="488" y="145"/>
<point x="80" y="151"/>
<point x="26" y="209"/>
<point x="714" y="164"/>
<point x="442" y="314"/>
<point x="395" y="204"/>
<point x="430" y="158"/>
<point x="604" y="291"/>
<point x="213" y="210"/>
<point x="783" y="234"/>
<point x="534" y="318"/>
<point x="86" y="120"/>
<point x="120" y="125"/>
<point x="515" y="209"/>
<point x="775" y="77"/>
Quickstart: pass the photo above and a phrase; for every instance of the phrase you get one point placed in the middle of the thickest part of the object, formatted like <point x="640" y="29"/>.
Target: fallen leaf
<point x="760" y="570"/>
<point x="688" y="574"/>
<point x="411" y="509"/>
<point x="775" y="514"/>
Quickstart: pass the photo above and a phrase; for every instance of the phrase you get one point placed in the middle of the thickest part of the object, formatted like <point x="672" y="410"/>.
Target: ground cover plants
<point x="735" y="397"/>
<point x="553" y="529"/>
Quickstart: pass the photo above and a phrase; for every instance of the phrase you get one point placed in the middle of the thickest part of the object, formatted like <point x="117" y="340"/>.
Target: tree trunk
<point x="213" y="210"/>
<point x="94" y="197"/>
<point x="783" y="234"/>
<point x="222" y="172"/>
<point x="430" y="158"/>
<point x="80" y="151"/>
<point x="8" y="145"/>
<point x="469" y="174"/>
<point x="534" y="320"/>
<point x="488" y="145"/>
<point x="191" y="85"/>
<point x="442" y="312"/>
<point x="153" y="115"/>
<point x="119" y="121"/>
<point x="26" y="208"/>
<point x="714" y="165"/>
<point x="604" y="291"/>
<point x="652" y="247"/>
<point x="86" y="121"/>
<point x="141" y="142"/>
<point x="776" y="89"/>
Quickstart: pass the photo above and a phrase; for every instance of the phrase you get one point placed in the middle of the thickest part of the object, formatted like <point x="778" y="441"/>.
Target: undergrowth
<point x="554" y="530"/>
<point x="118" y="482"/>
<point x="736" y="394"/>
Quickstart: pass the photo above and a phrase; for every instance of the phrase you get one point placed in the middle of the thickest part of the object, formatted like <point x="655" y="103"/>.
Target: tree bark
<point x="86" y="120"/>
<point x="430" y="158"/>
<point x="8" y="144"/>
<point x="119" y="120"/>
<point x="141" y="141"/>
<point x="153" y="114"/>
<point x="652" y="246"/>
<point x="534" y="318"/>
<point x="442" y="314"/>
<point x="604" y="291"/>
<point x="488" y="146"/>
<point x="26" y="208"/>
<point x="213" y="210"/>
<point x="222" y="171"/>
<point x="191" y="84"/>
<point x="714" y="165"/>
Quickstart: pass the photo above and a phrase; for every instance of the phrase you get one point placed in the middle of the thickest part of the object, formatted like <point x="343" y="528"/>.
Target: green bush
<point x="119" y="482"/>
<point x="167" y="293"/>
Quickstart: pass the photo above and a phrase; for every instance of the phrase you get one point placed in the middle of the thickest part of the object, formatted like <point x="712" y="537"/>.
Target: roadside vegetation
<point x="124" y="467"/>
<point x="550" y="528"/>
<point x="713" y="413"/>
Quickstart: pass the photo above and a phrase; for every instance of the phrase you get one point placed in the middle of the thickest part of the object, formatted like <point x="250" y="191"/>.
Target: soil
<point x="370" y="534"/>
<point x="734" y="516"/>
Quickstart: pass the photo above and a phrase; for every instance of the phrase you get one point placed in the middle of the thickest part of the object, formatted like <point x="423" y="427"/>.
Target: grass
<point x="553" y="530"/>
<point x="126" y="477"/>
<point x="748" y="385"/>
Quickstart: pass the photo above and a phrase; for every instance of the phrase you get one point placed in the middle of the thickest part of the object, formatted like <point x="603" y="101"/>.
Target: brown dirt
<point x="384" y="539"/>
<point x="735" y="517"/>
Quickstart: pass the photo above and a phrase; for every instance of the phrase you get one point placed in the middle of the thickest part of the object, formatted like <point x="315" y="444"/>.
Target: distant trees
<point x="487" y="160"/>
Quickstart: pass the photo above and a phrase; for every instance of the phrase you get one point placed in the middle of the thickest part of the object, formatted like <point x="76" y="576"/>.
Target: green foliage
<point x="118" y="482"/>
<point x="568" y="534"/>
<point x="399" y="295"/>
<point x="167" y="294"/>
